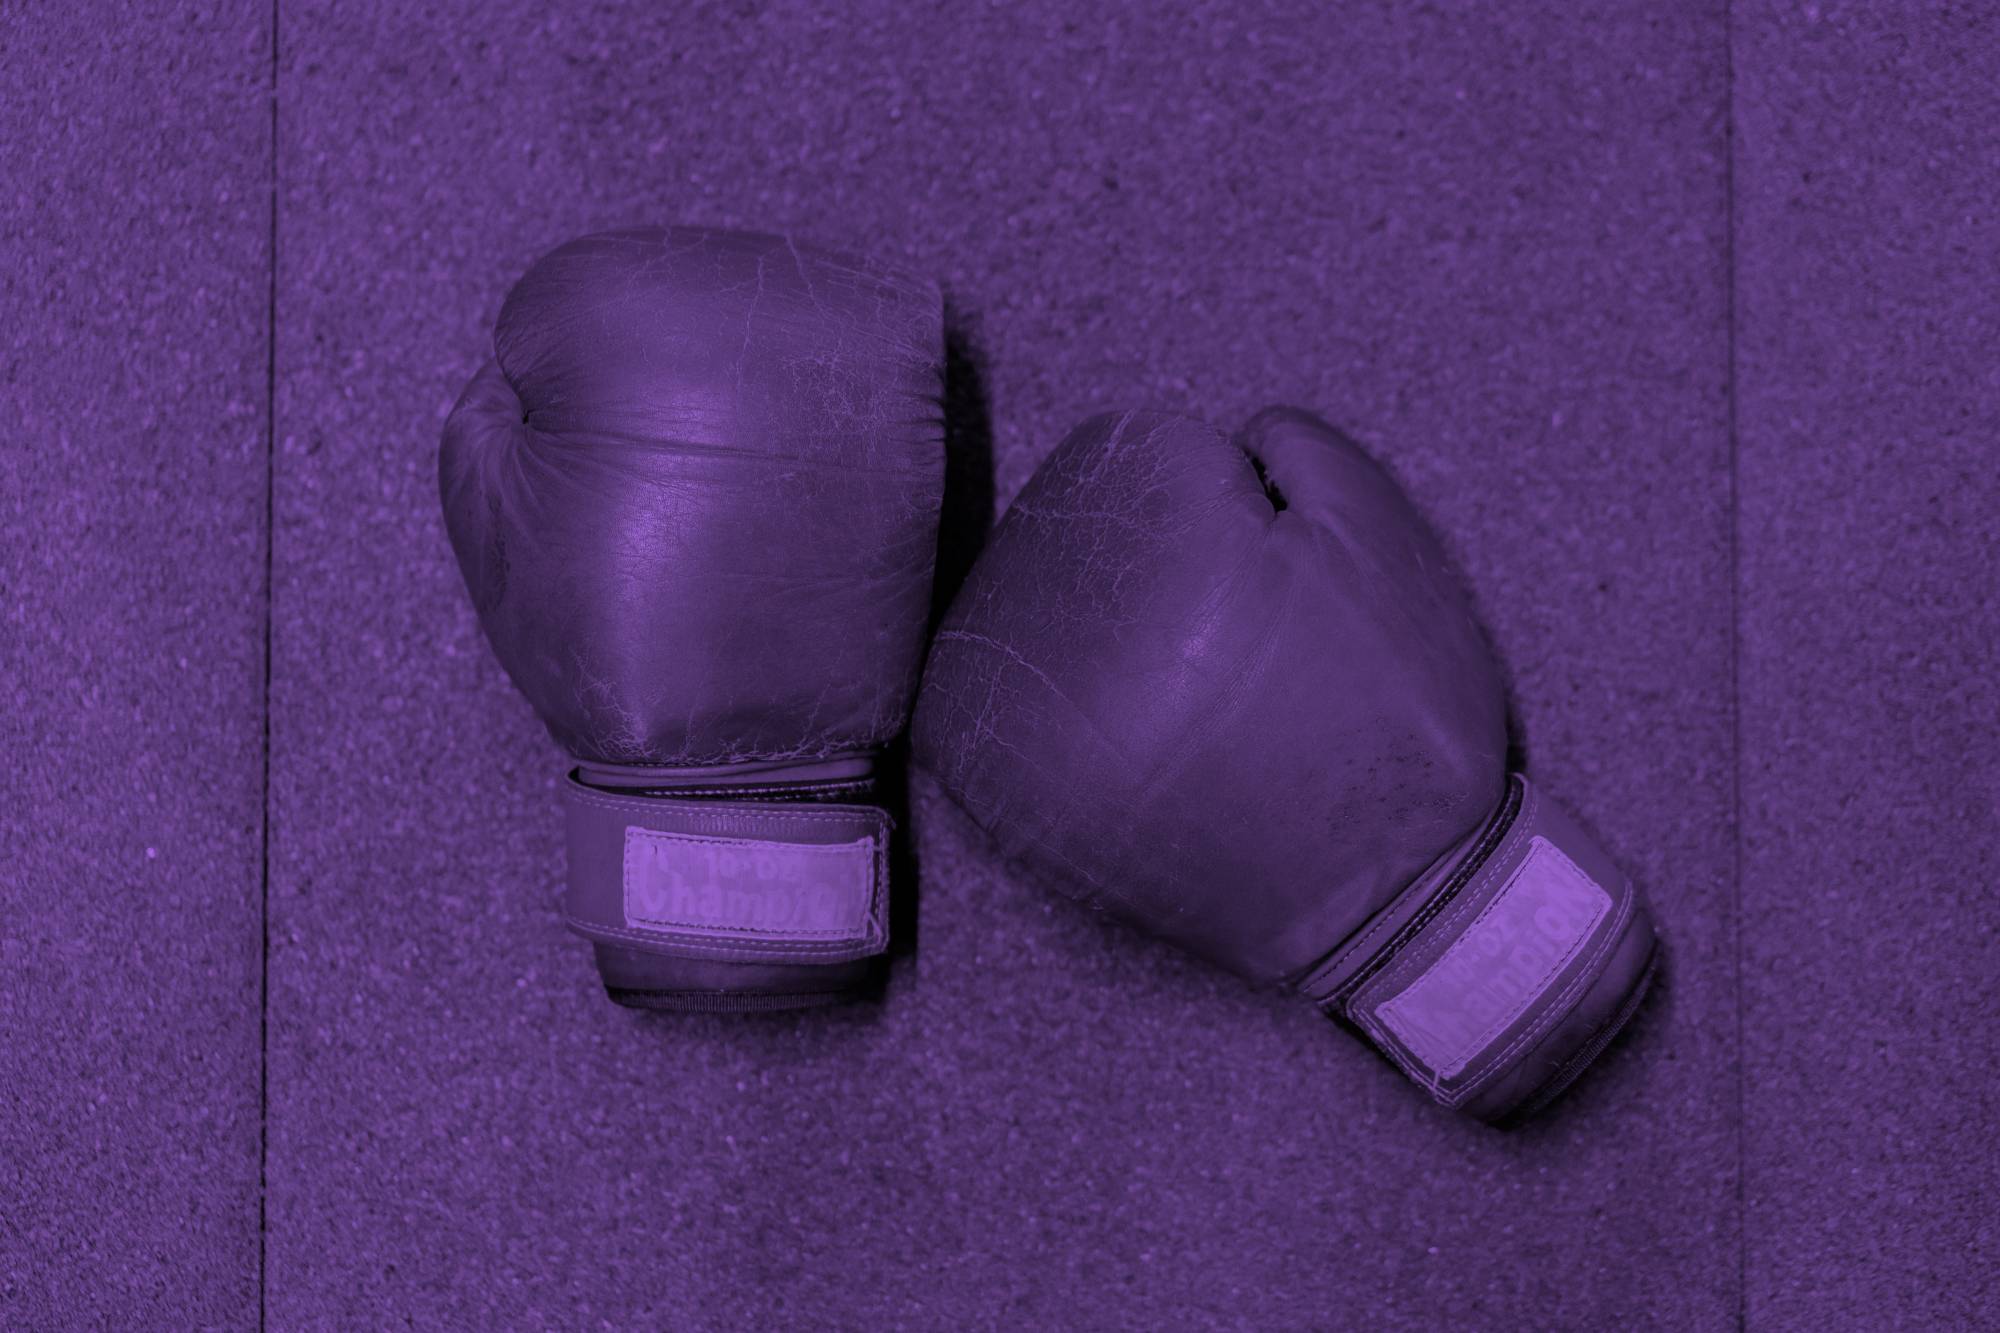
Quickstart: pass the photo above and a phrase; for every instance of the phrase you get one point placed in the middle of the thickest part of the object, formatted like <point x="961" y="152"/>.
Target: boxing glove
<point x="695" y="500"/>
<point x="1227" y="690"/>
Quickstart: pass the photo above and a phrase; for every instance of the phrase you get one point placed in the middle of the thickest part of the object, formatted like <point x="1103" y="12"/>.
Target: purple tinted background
<point x="1869" y="417"/>
<point x="1536" y="264"/>
<point x="133" y="293"/>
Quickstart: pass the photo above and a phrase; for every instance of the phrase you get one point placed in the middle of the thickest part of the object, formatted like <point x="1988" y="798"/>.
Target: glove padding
<point x="1228" y="690"/>
<point x="695" y="499"/>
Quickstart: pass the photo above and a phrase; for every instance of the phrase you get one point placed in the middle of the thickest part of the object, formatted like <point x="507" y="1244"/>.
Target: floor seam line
<point x="1735" y="561"/>
<point x="270" y="618"/>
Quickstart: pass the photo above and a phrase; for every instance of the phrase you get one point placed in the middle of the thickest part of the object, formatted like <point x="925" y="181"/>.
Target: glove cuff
<point x="1497" y="977"/>
<point x="752" y="886"/>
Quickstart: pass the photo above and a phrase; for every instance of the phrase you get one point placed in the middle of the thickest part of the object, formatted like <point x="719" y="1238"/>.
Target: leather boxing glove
<point x="695" y="499"/>
<point x="1227" y="690"/>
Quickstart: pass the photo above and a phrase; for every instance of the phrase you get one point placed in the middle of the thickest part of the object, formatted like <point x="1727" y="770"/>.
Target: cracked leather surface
<point x="695" y="495"/>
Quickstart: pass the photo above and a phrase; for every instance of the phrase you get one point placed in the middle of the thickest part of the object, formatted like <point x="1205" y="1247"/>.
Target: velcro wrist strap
<point x="1503" y="971"/>
<point x="734" y="881"/>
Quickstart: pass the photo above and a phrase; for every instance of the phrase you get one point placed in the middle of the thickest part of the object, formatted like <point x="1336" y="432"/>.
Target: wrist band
<point x="1499" y="970"/>
<point x="735" y="881"/>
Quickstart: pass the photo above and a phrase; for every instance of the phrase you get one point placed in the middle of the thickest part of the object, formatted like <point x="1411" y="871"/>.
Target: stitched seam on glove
<point x="1507" y="818"/>
<point x="717" y="810"/>
<point x="853" y="946"/>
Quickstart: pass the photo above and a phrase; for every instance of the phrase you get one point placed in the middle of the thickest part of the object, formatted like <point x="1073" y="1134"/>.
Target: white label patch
<point x="1502" y="964"/>
<point x="772" y="890"/>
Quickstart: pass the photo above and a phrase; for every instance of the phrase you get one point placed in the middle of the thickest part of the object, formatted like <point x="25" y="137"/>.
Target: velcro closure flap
<point x="1504" y="961"/>
<point x="728" y="880"/>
